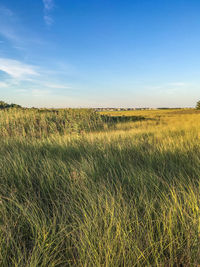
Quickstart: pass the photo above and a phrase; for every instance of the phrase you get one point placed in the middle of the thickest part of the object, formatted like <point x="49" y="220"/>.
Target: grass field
<point x="79" y="189"/>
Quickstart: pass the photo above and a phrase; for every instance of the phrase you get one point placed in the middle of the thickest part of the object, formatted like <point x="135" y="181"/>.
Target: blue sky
<point x="100" y="53"/>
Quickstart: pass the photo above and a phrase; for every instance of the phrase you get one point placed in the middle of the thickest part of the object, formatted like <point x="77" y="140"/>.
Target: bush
<point x="4" y="105"/>
<point x="198" y="105"/>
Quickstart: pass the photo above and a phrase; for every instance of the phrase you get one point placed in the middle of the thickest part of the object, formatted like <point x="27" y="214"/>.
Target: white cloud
<point x="48" y="20"/>
<point x="17" y="69"/>
<point x="48" y="4"/>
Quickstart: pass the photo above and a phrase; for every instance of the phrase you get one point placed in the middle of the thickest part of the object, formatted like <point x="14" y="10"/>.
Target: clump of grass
<point x="122" y="197"/>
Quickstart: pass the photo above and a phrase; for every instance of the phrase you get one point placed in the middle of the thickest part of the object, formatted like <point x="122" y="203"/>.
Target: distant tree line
<point x="4" y="105"/>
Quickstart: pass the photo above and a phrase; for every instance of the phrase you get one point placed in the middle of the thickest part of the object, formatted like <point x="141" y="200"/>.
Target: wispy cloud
<point x="48" y="7"/>
<point x="17" y="69"/>
<point x="7" y="32"/>
<point x="48" y="20"/>
<point x="6" y="11"/>
<point x="48" y="4"/>
<point x="14" y="30"/>
<point x="25" y="80"/>
<point x="8" y="19"/>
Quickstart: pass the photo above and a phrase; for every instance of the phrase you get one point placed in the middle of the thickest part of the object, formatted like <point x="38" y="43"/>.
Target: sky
<point x="100" y="53"/>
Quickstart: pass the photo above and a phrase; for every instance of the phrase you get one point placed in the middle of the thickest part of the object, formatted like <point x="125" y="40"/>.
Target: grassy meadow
<point x="80" y="188"/>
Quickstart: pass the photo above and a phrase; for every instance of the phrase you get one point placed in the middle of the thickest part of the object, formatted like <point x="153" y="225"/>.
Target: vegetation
<point x="4" y="105"/>
<point x="198" y="105"/>
<point x="77" y="189"/>
<point x="44" y="123"/>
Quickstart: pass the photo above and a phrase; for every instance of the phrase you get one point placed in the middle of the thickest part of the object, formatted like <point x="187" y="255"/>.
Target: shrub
<point x="4" y="105"/>
<point x="198" y="105"/>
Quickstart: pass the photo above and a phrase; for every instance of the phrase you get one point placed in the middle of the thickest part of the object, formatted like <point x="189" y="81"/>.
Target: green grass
<point x="126" y="194"/>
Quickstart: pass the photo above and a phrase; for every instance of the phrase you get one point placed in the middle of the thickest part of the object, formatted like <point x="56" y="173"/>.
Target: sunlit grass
<point x="126" y="195"/>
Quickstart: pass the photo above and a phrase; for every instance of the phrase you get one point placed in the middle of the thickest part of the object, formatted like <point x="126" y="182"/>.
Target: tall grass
<point x="43" y="123"/>
<point x="128" y="195"/>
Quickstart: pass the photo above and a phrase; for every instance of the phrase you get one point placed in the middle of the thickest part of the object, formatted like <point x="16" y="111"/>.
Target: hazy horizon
<point x="90" y="53"/>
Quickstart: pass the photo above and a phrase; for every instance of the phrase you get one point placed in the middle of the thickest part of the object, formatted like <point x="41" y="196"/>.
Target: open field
<point x="79" y="189"/>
